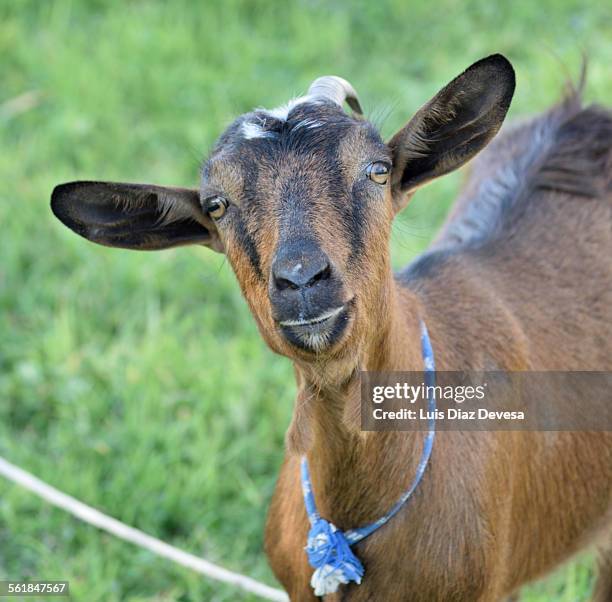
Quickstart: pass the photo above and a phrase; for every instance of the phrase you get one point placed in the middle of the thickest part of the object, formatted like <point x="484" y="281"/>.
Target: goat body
<point x="521" y="275"/>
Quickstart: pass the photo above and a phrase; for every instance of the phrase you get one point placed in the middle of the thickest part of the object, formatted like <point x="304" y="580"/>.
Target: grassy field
<point x="137" y="382"/>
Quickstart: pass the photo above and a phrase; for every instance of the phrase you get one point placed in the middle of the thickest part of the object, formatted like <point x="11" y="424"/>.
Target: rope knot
<point x="330" y="554"/>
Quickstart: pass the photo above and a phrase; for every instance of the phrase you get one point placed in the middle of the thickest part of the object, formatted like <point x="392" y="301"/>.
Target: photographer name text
<point x="448" y="414"/>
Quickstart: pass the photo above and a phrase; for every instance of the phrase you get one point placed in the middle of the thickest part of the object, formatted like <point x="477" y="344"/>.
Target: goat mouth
<point x="319" y="332"/>
<point x="324" y="317"/>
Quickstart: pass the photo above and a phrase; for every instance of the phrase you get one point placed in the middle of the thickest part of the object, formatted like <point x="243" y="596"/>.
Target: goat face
<point x="305" y="219"/>
<point x="301" y="200"/>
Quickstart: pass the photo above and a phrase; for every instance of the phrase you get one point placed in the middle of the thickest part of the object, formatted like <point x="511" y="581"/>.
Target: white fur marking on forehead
<point x="252" y="130"/>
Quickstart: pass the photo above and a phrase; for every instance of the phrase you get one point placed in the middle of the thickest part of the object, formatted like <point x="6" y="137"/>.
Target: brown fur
<point x="496" y="509"/>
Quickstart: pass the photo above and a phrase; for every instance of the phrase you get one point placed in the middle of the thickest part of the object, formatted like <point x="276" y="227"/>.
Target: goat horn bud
<point x="337" y="90"/>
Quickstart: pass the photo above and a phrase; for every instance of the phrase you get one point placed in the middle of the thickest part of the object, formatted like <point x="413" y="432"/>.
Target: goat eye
<point x="378" y="172"/>
<point x="215" y="206"/>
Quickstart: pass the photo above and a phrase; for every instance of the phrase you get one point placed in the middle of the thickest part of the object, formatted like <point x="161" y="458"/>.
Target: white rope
<point x="118" y="529"/>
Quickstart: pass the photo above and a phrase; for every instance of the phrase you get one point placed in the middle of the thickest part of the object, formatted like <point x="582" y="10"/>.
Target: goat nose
<point x="301" y="269"/>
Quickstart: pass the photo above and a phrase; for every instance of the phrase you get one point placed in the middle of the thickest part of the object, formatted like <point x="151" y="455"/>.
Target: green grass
<point x="138" y="382"/>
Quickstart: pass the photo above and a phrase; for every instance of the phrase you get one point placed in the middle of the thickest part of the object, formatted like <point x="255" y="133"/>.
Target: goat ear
<point x="453" y="126"/>
<point x="134" y="216"/>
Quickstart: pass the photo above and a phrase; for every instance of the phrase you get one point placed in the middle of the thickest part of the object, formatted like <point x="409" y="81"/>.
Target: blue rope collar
<point x="329" y="549"/>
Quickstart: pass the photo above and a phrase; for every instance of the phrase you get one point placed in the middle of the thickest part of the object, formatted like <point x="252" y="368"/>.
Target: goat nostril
<point x="283" y="284"/>
<point x="324" y="274"/>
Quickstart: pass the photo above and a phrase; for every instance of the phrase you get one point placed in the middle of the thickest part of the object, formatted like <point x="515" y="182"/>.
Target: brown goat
<point x="301" y="199"/>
